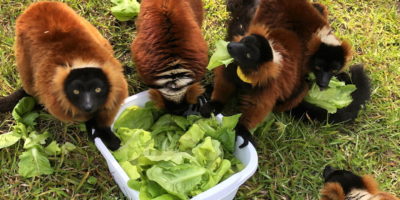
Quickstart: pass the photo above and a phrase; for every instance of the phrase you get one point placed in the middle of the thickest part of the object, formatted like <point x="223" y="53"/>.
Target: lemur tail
<point x="8" y="103"/>
<point x="360" y="96"/>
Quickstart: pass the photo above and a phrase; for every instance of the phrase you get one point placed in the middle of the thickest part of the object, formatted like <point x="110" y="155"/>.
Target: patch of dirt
<point x="398" y="7"/>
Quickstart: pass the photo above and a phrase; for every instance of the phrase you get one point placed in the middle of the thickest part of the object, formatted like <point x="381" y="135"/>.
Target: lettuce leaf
<point x="125" y="10"/>
<point x="131" y="170"/>
<point x="167" y="141"/>
<point x="230" y="121"/>
<point x="336" y="96"/>
<point x="33" y="163"/>
<point x="175" y="157"/>
<point x="220" y="56"/>
<point x="139" y="142"/>
<point x="67" y="147"/>
<point x="150" y="190"/>
<point x="134" y="184"/>
<point x="22" y="111"/>
<point x="207" y="151"/>
<point x="170" y="122"/>
<point x="191" y="138"/>
<point x="8" y="139"/>
<point x="178" y="180"/>
<point x="180" y="157"/>
<point x="135" y="117"/>
<point x="35" y="139"/>
<point x="213" y="178"/>
<point x="53" y="149"/>
<point x="227" y="137"/>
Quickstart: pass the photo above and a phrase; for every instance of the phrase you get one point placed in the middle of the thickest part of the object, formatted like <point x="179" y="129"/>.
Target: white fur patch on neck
<point x="276" y="56"/>
<point x="358" y="194"/>
<point x="327" y="37"/>
<point x="78" y="63"/>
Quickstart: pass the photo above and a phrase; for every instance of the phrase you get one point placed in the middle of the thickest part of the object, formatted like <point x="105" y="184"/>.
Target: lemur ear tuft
<point x="313" y="45"/>
<point x="193" y="93"/>
<point x="370" y="184"/>
<point x="347" y="50"/>
<point x="332" y="191"/>
<point x="157" y="98"/>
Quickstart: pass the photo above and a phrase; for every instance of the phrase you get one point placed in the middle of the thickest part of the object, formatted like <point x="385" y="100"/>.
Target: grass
<point x="292" y="154"/>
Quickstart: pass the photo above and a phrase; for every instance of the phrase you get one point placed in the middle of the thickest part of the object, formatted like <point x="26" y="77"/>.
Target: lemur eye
<point x="76" y="92"/>
<point x="248" y="55"/>
<point x="97" y="90"/>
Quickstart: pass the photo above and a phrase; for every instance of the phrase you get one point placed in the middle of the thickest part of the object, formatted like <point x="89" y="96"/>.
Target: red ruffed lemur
<point x="360" y="96"/>
<point x="170" y="52"/>
<point x="345" y="185"/>
<point x="325" y="54"/>
<point x="358" y="77"/>
<point x="65" y="63"/>
<point x="267" y="71"/>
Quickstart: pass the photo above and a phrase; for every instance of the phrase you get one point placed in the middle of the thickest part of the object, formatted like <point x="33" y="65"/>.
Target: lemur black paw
<point x="207" y="109"/>
<point x="211" y="107"/>
<point x="108" y="137"/>
<point x="245" y="134"/>
<point x="89" y="129"/>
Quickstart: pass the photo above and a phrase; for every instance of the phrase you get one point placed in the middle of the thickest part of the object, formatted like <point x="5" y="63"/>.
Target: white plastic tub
<point x="225" y="190"/>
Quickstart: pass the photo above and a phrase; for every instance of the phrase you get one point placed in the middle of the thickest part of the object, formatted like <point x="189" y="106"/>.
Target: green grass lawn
<point x="292" y="154"/>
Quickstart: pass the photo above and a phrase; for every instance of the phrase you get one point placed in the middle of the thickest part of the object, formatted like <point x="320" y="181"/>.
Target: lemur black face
<point x="251" y="51"/>
<point x="346" y="179"/>
<point x="327" y="62"/>
<point x="87" y="88"/>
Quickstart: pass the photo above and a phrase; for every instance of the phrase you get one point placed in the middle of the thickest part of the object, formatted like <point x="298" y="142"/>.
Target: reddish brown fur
<point x="169" y="34"/>
<point x="299" y="16"/>
<point x="193" y="92"/>
<point x="51" y="39"/>
<point x="323" y="8"/>
<point x="333" y="191"/>
<point x="272" y="82"/>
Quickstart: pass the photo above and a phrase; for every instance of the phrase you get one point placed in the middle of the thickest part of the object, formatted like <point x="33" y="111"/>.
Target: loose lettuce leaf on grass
<point x="53" y="149"/>
<point x="33" y="163"/>
<point x="336" y="96"/>
<point x="35" y="139"/>
<point x="8" y="139"/>
<point x="220" y="56"/>
<point x="125" y="10"/>
<point x="67" y="147"/>
<point x="22" y="112"/>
